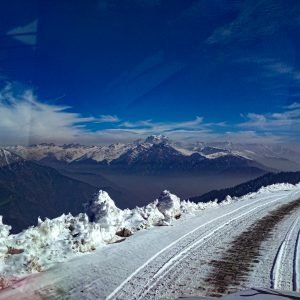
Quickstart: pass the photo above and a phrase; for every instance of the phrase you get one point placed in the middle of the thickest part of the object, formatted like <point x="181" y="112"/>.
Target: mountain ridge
<point x="250" y="186"/>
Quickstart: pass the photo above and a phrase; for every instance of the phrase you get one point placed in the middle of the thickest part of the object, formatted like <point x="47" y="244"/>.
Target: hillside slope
<point x="28" y="190"/>
<point x="249" y="186"/>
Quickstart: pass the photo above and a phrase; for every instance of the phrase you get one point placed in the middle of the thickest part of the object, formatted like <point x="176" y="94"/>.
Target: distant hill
<point x="29" y="190"/>
<point x="250" y="186"/>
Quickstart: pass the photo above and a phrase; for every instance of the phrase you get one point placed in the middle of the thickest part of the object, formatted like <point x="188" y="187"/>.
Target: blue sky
<point x="117" y="70"/>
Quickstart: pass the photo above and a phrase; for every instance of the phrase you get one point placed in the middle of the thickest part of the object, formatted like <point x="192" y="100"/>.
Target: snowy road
<point x="166" y="262"/>
<point x="284" y="267"/>
<point x="296" y="264"/>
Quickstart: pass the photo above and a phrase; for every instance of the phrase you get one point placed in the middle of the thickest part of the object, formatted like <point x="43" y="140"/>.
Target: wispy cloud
<point x="284" y="124"/>
<point x="294" y="105"/>
<point x="259" y="20"/>
<point x="278" y="68"/>
<point x="25" y="120"/>
<point x="164" y="127"/>
<point x="108" y="119"/>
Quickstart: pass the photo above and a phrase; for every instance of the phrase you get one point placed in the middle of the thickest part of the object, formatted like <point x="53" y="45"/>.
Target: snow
<point x="156" y="139"/>
<point x="50" y="242"/>
<point x="103" y="211"/>
<point x="59" y="239"/>
<point x="7" y="158"/>
<point x="4" y="233"/>
<point x="297" y="263"/>
<point x="67" y="237"/>
<point x="282" y="258"/>
<point x="277" y="187"/>
<point x="71" y="152"/>
<point x="75" y="152"/>
<point x="119" y="261"/>
<point x="169" y="205"/>
<point x="184" y="151"/>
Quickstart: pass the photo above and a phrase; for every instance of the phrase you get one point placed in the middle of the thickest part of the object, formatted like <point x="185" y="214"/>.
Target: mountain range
<point x="158" y="154"/>
<point x="47" y="180"/>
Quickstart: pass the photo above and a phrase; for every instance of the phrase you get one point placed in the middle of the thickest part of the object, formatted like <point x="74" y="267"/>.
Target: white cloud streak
<point x="25" y="120"/>
<point x="285" y="124"/>
<point x="108" y="119"/>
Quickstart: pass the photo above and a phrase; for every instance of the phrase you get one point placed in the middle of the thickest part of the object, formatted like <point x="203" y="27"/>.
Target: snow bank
<point x="277" y="187"/>
<point x="4" y="233"/>
<point x="51" y="241"/>
<point x="103" y="211"/>
<point x="143" y="217"/>
<point x="169" y="205"/>
<point x="59" y="239"/>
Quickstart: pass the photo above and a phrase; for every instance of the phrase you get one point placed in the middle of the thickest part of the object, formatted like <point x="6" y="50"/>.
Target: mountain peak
<point x="7" y="158"/>
<point x="156" y="139"/>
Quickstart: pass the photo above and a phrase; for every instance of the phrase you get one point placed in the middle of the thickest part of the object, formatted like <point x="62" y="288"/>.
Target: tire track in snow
<point x="172" y="263"/>
<point x="229" y="273"/>
<point x="145" y="284"/>
<point x="282" y="259"/>
<point x="296" y="265"/>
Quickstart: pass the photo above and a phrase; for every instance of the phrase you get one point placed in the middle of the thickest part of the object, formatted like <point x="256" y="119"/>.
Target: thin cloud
<point x="294" y="105"/>
<point x="164" y="127"/>
<point x="108" y="119"/>
<point x="285" y="124"/>
<point x="263" y="19"/>
<point x="25" y="120"/>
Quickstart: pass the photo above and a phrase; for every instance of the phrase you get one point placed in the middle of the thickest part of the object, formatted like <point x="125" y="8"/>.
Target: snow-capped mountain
<point x="159" y="150"/>
<point x="154" y="153"/>
<point x="272" y="155"/>
<point x="157" y="139"/>
<point x="147" y="153"/>
<point x="69" y="152"/>
<point x="8" y="158"/>
<point x="162" y="157"/>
